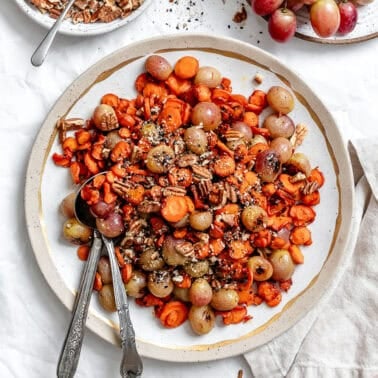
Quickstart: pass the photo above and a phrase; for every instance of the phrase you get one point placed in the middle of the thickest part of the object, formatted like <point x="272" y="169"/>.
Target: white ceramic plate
<point x="81" y="29"/>
<point x="47" y="185"/>
<point x="366" y="28"/>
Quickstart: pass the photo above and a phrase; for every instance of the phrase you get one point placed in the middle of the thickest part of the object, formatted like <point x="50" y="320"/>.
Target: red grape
<point x="325" y="17"/>
<point x="348" y="17"/>
<point x="102" y="209"/>
<point x="265" y="7"/>
<point x="282" y="24"/>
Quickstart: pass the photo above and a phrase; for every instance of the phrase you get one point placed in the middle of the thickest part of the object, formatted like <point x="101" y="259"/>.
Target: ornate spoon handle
<point x="131" y="364"/>
<point x="41" y="51"/>
<point x="70" y="353"/>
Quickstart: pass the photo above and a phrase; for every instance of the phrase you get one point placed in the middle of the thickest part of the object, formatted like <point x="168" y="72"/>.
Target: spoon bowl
<point x="131" y="364"/>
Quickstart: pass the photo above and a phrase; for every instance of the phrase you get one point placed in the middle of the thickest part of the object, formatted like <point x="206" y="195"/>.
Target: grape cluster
<point x="327" y="17"/>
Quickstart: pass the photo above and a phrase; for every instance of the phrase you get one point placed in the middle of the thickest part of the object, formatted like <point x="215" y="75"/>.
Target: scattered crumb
<point x="240" y="16"/>
<point x="259" y="78"/>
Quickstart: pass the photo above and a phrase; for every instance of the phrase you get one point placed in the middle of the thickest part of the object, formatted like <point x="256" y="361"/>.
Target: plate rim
<point x="32" y="201"/>
<point x="68" y="28"/>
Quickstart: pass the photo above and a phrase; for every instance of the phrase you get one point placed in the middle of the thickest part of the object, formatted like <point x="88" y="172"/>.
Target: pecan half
<point x="174" y="191"/>
<point x="201" y="173"/>
<point x="184" y="248"/>
<point x="148" y="207"/>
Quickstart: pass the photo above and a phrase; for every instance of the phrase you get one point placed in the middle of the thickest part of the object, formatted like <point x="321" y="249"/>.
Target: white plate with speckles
<point x="47" y="185"/>
<point x="80" y="29"/>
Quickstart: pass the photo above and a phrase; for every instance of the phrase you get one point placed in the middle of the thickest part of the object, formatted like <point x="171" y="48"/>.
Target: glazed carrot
<point x="251" y="119"/>
<point x="180" y="233"/>
<point x="311" y="199"/>
<point x="149" y="300"/>
<point x="279" y="243"/>
<point x="157" y="90"/>
<point x="226" y="84"/>
<point x="216" y="246"/>
<point x="174" y="208"/>
<point x="220" y="95"/>
<point x="269" y="293"/>
<point x="302" y="215"/>
<point x="296" y="254"/>
<point x="240" y="249"/>
<point x="83" y="136"/>
<point x="70" y="143"/>
<point x="126" y="272"/>
<point x="110" y="99"/>
<point x="173" y="314"/>
<point x="120" y="259"/>
<point x="278" y="222"/>
<point x="250" y="179"/>
<point x="120" y="151"/>
<point x="83" y="252"/>
<point x="268" y="189"/>
<point x="135" y="195"/>
<point x="97" y="284"/>
<point x="224" y="166"/>
<point x="262" y="239"/>
<point x="75" y="172"/>
<point x="316" y="176"/>
<point x="124" y="132"/>
<point x="185" y="283"/>
<point x="141" y="81"/>
<point x="202" y="93"/>
<point x="257" y="101"/>
<point x="235" y="316"/>
<point x="224" y="148"/>
<point x="126" y="120"/>
<point x="98" y="181"/>
<point x="186" y="67"/>
<point x="170" y="117"/>
<point x="91" y="164"/>
<point x="301" y="236"/>
<point x="257" y="148"/>
<point x="178" y="86"/>
<point x="118" y="170"/>
<point x="289" y="186"/>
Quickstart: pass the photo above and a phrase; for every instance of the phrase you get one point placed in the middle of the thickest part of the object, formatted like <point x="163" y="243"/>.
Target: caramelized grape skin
<point x="202" y="319"/>
<point x="224" y="299"/>
<point x="158" y="67"/>
<point x="206" y="114"/>
<point x="102" y="209"/>
<point x="268" y="165"/>
<point x="111" y="226"/>
<point x="75" y="232"/>
<point x="282" y="25"/>
<point x="201" y="220"/>
<point x="135" y="286"/>
<point x="106" y="298"/>
<point x="325" y="17"/>
<point x="283" y="266"/>
<point x="283" y="147"/>
<point x="265" y="7"/>
<point x="348" y="17"/>
<point x="103" y="268"/>
<point x="196" y="140"/>
<point x="160" y="284"/>
<point x="200" y="293"/>
<point x="170" y="255"/>
<point x="67" y="206"/>
<point x="208" y="76"/>
<point x="279" y="125"/>
<point x="280" y="99"/>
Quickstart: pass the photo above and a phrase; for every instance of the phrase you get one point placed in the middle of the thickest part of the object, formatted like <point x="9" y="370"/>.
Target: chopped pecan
<point x="310" y="187"/>
<point x="300" y="176"/>
<point x="184" y="248"/>
<point x="299" y="135"/>
<point x="148" y="207"/>
<point x="187" y="160"/>
<point x="204" y="187"/>
<point x="174" y="191"/>
<point x="201" y="173"/>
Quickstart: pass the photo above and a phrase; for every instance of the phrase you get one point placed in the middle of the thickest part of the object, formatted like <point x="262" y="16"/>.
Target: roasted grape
<point x="158" y="67"/>
<point x="202" y="319"/>
<point x="208" y="76"/>
<point x="200" y="293"/>
<point x="206" y="114"/>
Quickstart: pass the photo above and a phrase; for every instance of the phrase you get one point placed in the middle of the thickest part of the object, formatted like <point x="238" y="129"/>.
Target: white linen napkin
<point x="338" y="338"/>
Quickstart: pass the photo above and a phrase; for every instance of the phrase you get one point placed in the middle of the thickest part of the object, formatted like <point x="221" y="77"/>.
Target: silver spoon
<point x="131" y="364"/>
<point x="41" y="51"/>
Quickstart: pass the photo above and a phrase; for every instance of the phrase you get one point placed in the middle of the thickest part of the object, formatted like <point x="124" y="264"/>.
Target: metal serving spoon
<point x="131" y="364"/>
<point x="41" y="51"/>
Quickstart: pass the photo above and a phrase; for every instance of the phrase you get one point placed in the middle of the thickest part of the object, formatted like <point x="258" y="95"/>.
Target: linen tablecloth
<point x="337" y="339"/>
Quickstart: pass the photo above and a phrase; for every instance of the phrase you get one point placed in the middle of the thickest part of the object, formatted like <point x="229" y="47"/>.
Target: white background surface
<point x="32" y="321"/>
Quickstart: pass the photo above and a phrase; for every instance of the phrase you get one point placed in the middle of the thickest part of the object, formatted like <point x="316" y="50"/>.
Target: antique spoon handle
<point x="69" y="357"/>
<point x="41" y="51"/>
<point x="131" y="364"/>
